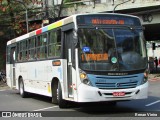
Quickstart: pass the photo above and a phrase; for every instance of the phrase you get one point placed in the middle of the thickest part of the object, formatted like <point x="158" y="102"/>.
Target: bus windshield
<point x="111" y="49"/>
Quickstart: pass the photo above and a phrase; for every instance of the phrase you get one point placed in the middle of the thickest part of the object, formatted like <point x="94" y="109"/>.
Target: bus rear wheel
<point x="55" y="93"/>
<point x="21" y="89"/>
<point x="62" y="103"/>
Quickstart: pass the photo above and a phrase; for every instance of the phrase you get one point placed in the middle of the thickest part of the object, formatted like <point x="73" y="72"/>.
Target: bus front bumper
<point x="92" y="94"/>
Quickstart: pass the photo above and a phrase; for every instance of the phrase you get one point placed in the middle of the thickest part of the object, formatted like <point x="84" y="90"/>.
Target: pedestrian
<point x="151" y="64"/>
<point x="156" y="62"/>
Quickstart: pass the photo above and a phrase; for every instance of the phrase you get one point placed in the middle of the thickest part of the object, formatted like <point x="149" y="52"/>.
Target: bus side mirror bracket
<point x="75" y="37"/>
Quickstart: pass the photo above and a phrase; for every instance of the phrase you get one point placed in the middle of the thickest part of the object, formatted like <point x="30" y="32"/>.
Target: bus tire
<point x="21" y="89"/>
<point x="62" y="103"/>
<point x="55" y="93"/>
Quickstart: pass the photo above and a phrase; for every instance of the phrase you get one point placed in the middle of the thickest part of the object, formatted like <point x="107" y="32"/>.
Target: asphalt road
<point x="10" y="100"/>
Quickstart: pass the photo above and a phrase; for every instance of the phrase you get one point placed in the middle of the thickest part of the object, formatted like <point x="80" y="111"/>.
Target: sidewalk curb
<point x="154" y="77"/>
<point x="4" y="87"/>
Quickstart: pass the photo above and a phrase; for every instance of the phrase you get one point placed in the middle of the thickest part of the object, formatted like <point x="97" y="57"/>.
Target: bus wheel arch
<point x="57" y="94"/>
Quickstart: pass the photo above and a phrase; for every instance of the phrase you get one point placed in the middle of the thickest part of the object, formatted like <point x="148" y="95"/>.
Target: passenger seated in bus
<point x="28" y="56"/>
<point x="20" y="56"/>
<point x="38" y="55"/>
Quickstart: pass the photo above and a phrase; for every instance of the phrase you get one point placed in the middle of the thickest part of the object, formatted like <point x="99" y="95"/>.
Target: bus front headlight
<point x="83" y="77"/>
<point x="145" y="79"/>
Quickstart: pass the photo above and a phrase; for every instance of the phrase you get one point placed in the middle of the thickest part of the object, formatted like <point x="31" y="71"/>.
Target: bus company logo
<point x="6" y="114"/>
<point x="118" y="74"/>
<point x="117" y="85"/>
<point x="101" y="81"/>
<point x="20" y="114"/>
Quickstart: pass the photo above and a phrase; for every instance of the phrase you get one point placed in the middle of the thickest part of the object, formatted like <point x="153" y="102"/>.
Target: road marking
<point x="45" y="108"/>
<point x="153" y="103"/>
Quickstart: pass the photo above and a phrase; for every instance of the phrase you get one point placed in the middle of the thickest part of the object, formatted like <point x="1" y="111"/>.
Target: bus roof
<point x="57" y="24"/>
<point x="51" y="26"/>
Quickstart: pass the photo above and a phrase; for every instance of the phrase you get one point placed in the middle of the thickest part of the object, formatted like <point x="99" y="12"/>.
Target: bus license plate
<point x="118" y="93"/>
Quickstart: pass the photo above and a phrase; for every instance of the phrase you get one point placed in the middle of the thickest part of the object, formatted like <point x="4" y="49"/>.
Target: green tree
<point x="10" y="15"/>
<point x="11" y="12"/>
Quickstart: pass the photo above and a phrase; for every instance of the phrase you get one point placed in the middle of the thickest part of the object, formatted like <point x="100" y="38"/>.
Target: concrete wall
<point x="154" y="19"/>
<point x="107" y="5"/>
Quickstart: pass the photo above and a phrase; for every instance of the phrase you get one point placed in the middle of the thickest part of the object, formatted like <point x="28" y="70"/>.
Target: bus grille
<point x="117" y="85"/>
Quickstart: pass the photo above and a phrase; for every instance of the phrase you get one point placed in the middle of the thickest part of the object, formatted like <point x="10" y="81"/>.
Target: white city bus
<point x="81" y="58"/>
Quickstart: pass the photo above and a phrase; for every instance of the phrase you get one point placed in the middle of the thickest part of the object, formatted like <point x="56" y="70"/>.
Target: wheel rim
<point x="57" y="94"/>
<point x="21" y="88"/>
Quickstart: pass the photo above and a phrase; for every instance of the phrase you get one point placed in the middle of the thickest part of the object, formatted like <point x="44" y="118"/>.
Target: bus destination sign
<point x="107" y="19"/>
<point x="104" y="21"/>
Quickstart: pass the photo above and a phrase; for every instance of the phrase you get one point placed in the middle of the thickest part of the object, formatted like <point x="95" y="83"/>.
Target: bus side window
<point x="38" y="44"/>
<point x="58" y="44"/>
<point x="26" y="55"/>
<point x="17" y="52"/>
<point x="43" y="50"/>
<point x="20" y="56"/>
<point x="31" y="49"/>
<point x="54" y="43"/>
<point x="38" y="53"/>
<point x="51" y="43"/>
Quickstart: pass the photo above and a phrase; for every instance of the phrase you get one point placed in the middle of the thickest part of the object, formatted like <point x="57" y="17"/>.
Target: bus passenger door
<point x="12" y="63"/>
<point x="69" y="56"/>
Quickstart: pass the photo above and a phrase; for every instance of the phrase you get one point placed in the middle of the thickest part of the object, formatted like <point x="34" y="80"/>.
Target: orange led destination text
<point x="100" y="21"/>
<point x="95" y="57"/>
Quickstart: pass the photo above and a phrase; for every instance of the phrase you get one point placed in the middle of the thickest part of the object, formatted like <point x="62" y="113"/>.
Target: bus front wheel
<point x="55" y="92"/>
<point x="62" y="103"/>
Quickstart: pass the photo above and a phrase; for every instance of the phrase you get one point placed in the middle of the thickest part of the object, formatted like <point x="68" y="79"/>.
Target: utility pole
<point x="46" y="9"/>
<point x="121" y="4"/>
<point x="60" y="9"/>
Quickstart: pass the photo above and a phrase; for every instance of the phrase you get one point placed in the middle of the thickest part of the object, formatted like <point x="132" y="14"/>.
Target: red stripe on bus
<point x="39" y="31"/>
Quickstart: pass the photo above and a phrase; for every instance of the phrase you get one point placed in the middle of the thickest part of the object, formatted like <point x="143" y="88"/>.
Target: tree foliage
<point x="7" y="5"/>
<point x="12" y="12"/>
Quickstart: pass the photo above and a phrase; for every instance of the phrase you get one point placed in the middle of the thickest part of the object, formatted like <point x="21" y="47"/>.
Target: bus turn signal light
<point x="56" y="63"/>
